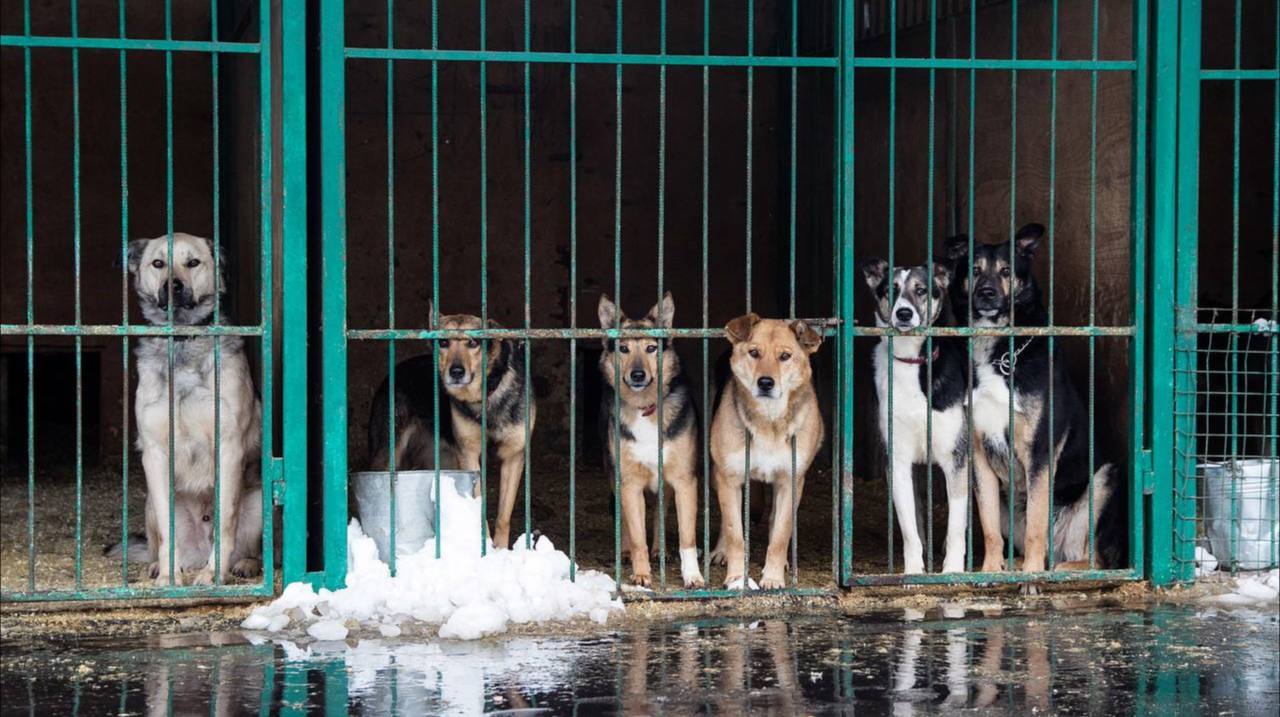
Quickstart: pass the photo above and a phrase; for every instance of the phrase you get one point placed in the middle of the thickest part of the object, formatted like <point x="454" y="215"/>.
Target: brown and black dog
<point x="507" y="406"/>
<point x="630" y="423"/>
<point x="769" y="401"/>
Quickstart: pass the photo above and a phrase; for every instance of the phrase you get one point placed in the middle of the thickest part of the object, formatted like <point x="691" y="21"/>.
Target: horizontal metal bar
<point x="585" y="58"/>
<point x="1257" y="327"/>
<point x="1015" y="576"/>
<point x="1240" y="74"/>
<point x="825" y="327"/>
<point x="130" y="330"/>
<point x="129" y="593"/>
<point x="128" y="43"/>
<point x="980" y="63"/>
<point x="995" y="331"/>
<point x="715" y="593"/>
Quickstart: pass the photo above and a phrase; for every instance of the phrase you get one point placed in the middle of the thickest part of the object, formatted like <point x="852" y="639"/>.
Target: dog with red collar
<point x="924" y="380"/>
<point x="648" y="422"/>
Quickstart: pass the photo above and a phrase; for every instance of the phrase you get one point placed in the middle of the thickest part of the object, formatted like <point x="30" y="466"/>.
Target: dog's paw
<point x="204" y="577"/>
<point x="993" y="566"/>
<point x="735" y="582"/>
<point x="641" y="580"/>
<point x="694" y="582"/>
<point x="718" y="556"/>
<point x="153" y="570"/>
<point x="246" y="568"/>
<point x="913" y="567"/>
<point x="772" y="582"/>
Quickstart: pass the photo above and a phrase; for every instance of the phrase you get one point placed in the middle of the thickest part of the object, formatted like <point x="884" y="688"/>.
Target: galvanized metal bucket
<point x="415" y="505"/>
<point x="1250" y="534"/>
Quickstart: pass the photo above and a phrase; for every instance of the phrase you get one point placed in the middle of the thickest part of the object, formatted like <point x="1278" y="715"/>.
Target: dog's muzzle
<point x="765" y="386"/>
<point x="457" y="377"/>
<point x="182" y="296"/>
<point x="638" y="380"/>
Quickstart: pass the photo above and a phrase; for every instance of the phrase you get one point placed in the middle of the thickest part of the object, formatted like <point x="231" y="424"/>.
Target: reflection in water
<point x="905" y="663"/>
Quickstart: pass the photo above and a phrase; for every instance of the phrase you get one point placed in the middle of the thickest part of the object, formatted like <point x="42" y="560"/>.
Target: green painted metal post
<point x="333" y="270"/>
<point x="847" y="284"/>
<point x="294" y="290"/>
<point x="1164" y="118"/>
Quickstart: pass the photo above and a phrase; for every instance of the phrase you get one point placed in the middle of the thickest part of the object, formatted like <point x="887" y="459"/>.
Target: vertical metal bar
<point x="31" y="374"/>
<point x="1013" y="202"/>
<point x="435" y="273"/>
<point x="1234" y="337"/>
<point x="124" y="306"/>
<point x="573" y="291"/>
<point x="293" y="294"/>
<point x="1093" y="271"/>
<point x="973" y="53"/>
<point x="217" y="278"/>
<point x="845" y="246"/>
<point x="751" y="45"/>
<point x="791" y="178"/>
<point x="893" y="122"/>
<point x="1274" y="432"/>
<point x="662" y="216"/>
<point x="334" y="290"/>
<point x="168" y="229"/>
<point x="706" y="320"/>
<point x="1187" y="229"/>
<point x="484" y="285"/>
<point x="267" y="316"/>
<point x="1053" y="168"/>
<point x="79" y="355"/>
<point x="391" y="289"/>
<point x="617" y="293"/>
<point x="928" y="414"/>
<point x="528" y="315"/>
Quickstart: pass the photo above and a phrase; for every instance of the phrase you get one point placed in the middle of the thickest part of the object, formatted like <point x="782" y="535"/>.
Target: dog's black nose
<point x="904" y="314"/>
<point x="986" y="293"/>
<point x="638" y="376"/>
<point x="457" y="372"/>
<point x="765" y="383"/>
<point x="177" y="285"/>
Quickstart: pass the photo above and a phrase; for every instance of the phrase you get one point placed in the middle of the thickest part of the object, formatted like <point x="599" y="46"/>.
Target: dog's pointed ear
<point x="134" y="255"/>
<point x="739" y="329"/>
<point x="873" y="271"/>
<point x="809" y="339"/>
<point x="942" y="276"/>
<point x="663" y="313"/>
<point x="494" y="324"/>
<point x="956" y="247"/>
<point x="432" y="319"/>
<point x="1028" y="239"/>
<point x="608" y="313"/>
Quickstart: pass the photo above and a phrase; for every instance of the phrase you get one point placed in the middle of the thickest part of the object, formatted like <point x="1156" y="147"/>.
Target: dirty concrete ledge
<point x="25" y="622"/>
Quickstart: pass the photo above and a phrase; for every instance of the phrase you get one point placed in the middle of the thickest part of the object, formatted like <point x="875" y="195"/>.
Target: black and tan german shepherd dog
<point x="1001" y="286"/>
<point x="461" y="400"/>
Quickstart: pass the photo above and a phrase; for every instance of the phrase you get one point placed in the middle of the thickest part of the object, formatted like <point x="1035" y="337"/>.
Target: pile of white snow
<point x="1261" y="589"/>
<point x="467" y="595"/>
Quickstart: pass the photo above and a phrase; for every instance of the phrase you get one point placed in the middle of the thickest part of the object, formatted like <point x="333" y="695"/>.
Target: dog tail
<point x="138" y="551"/>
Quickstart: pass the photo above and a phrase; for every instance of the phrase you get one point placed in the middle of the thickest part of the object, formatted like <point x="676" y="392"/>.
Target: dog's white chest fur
<point x="643" y="448"/>
<point x="911" y="430"/>
<point x="990" y="395"/>
<point x="769" y="458"/>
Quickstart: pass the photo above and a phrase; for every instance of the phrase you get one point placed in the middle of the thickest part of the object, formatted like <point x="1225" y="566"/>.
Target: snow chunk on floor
<point x="1206" y="563"/>
<point x="469" y="596"/>
<point x="1251" y="590"/>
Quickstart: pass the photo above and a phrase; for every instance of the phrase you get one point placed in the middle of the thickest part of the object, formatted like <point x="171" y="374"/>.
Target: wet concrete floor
<point x="1155" y="660"/>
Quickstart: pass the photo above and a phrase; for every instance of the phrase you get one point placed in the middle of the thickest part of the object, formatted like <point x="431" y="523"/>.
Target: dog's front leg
<point x="633" y="524"/>
<point x="956" y="470"/>
<point x="780" y="527"/>
<point x="155" y="464"/>
<point x="729" y="493"/>
<point x="512" y="457"/>
<point x="987" y="486"/>
<point x="904" y="504"/>
<point x="1037" y="524"/>
<point x="686" y="495"/>
<point x="230" y="482"/>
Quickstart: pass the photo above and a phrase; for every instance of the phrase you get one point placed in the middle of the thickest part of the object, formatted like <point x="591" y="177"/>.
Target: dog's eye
<point x="784" y="356"/>
<point x="158" y="263"/>
<point x="1005" y="272"/>
<point x="193" y="263"/>
<point x="754" y="353"/>
<point x="444" y="343"/>
<point x="624" y="348"/>
<point x="920" y="291"/>
<point x="650" y="348"/>
<point x="472" y="343"/>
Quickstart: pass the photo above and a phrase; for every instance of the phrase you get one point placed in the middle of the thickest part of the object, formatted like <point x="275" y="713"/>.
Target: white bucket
<point x="1255" y="530"/>
<point x="415" y="505"/>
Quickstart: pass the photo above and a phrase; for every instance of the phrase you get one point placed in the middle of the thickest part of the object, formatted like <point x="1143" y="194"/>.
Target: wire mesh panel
<point x="1226" y="495"/>
<point x="166" y="108"/>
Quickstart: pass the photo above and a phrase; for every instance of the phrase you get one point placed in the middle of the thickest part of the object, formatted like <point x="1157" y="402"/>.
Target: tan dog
<point x="461" y="365"/>
<point x="771" y="401"/>
<point x="630" y="423"/>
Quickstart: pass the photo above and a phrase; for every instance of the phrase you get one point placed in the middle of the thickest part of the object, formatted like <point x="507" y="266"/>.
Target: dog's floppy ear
<point x="873" y="271"/>
<point x="942" y="276"/>
<point x="1028" y="239"/>
<point x="956" y="247"/>
<point x="739" y="329"/>
<point x="809" y="339"/>
<point x="136" y="247"/>
<point x="663" y="313"/>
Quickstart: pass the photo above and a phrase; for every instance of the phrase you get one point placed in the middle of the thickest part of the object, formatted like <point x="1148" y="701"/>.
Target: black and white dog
<point x="928" y="419"/>
<point x="991" y="286"/>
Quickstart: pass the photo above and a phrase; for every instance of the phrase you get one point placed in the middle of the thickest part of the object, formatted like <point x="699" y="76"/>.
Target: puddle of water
<point x="1162" y="660"/>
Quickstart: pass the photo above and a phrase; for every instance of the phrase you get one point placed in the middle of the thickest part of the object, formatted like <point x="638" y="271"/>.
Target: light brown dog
<point x="630" y="426"/>
<point x="770" y="402"/>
